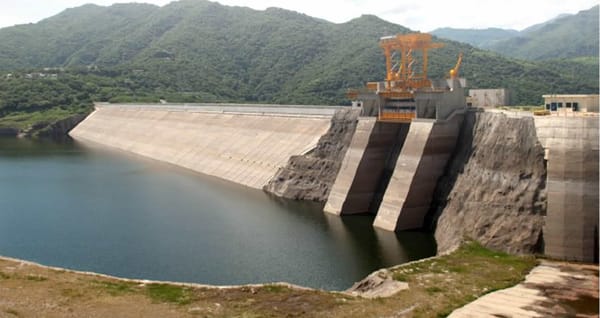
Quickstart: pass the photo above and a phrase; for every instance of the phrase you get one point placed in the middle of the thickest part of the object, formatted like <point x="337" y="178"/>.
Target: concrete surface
<point x="350" y="164"/>
<point x="571" y="145"/>
<point x="424" y="156"/>
<point x="221" y="141"/>
<point x="550" y="290"/>
<point x="311" y="176"/>
<point x="371" y="157"/>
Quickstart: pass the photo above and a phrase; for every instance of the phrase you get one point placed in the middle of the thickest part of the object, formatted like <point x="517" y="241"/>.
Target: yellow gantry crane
<point x="406" y="59"/>
<point x="454" y="71"/>
<point x="411" y="71"/>
<point x="404" y="77"/>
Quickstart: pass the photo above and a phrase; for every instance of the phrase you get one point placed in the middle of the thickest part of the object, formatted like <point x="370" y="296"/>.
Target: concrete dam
<point x="244" y="144"/>
<point x="395" y="171"/>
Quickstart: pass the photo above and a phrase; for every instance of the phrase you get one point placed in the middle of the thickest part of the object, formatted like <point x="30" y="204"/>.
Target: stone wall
<point x="494" y="188"/>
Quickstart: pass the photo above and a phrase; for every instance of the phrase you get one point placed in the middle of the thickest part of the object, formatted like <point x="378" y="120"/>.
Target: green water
<point x="69" y="205"/>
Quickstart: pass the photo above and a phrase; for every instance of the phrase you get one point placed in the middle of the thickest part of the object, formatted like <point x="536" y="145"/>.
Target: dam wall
<point x="571" y="150"/>
<point x="370" y="158"/>
<point x="311" y="176"/>
<point x="421" y="163"/>
<point x="392" y="170"/>
<point x="245" y="144"/>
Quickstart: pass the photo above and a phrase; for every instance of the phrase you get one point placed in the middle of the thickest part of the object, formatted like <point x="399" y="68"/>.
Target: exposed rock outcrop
<point x="311" y="176"/>
<point x="60" y="128"/>
<point x="57" y="129"/>
<point x="377" y="284"/>
<point x="494" y="187"/>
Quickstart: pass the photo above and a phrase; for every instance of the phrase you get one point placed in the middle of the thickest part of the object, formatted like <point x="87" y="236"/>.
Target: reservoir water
<point x="86" y="208"/>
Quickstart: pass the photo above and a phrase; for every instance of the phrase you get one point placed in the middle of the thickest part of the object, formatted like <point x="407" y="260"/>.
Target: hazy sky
<point x="421" y="15"/>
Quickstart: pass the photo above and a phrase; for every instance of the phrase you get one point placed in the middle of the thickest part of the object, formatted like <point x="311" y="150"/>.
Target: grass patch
<point x="115" y="288"/>
<point x="24" y="120"/>
<point x="448" y="282"/>
<point x="433" y="290"/>
<point x="272" y="288"/>
<point x="169" y="293"/>
<point x="4" y="275"/>
<point x="12" y="312"/>
<point x="36" y="278"/>
<point x="400" y="276"/>
<point x="71" y="293"/>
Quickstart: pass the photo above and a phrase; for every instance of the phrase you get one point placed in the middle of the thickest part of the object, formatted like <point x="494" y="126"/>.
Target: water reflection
<point x="84" y="207"/>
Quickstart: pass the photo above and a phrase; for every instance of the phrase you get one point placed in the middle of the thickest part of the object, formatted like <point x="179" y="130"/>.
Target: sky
<point x="418" y="15"/>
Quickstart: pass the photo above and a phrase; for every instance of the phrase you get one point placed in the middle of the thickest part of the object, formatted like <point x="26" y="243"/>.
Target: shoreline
<point x="435" y="286"/>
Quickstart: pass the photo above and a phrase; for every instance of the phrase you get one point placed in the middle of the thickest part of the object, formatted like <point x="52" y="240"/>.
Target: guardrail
<point x="262" y="109"/>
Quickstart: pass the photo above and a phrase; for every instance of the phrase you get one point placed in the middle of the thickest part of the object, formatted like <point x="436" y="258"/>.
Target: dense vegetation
<point x="565" y="37"/>
<point x="200" y="51"/>
<point x="481" y="38"/>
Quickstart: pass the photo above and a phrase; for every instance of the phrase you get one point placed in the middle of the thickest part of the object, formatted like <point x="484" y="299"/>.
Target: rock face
<point x="494" y="187"/>
<point x="311" y="176"/>
<point x="59" y="129"/>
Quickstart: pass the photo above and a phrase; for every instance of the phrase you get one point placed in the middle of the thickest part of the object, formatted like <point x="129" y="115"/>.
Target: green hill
<point x="200" y="51"/>
<point x="480" y="38"/>
<point x="566" y="37"/>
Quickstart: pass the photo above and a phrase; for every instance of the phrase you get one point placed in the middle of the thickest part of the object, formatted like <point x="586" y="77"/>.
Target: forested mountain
<point x="200" y="51"/>
<point x="481" y="38"/>
<point x="565" y="37"/>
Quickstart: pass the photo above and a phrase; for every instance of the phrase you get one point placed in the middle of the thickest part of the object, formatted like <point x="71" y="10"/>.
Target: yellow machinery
<point x="406" y="58"/>
<point x="406" y="73"/>
<point x="454" y="71"/>
<point x="409" y="72"/>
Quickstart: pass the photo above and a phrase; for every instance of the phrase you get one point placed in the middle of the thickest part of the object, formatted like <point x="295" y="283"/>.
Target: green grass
<point x="462" y="276"/>
<point x="12" y="312"/>
<point x="36" y="278"/>
<point x="115" y="288"/>
<point x="272" y="288"/>
<point x="169" y="293"/>
<point x="24" y="120"/>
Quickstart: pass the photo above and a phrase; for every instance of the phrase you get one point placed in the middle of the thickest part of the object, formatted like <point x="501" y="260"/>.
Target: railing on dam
<point x="262" y="109"/>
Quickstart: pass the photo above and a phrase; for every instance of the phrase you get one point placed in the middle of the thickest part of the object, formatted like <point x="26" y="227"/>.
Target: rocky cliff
<point x="494" y="187"/>
<point x="60" y="128"/>
<point x="311" y="176"/>
<point x="54" y="129"/>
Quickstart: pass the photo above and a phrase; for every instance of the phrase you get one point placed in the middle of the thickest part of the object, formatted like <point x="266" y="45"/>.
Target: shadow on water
<point x="373" y="247"/>
<point x="89" y="208"/>
<point x="42" y="147"/>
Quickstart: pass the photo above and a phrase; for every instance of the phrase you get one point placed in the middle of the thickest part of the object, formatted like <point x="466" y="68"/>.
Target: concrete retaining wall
<point x="364" y="167"/>
<point x="244" y="148"/>
<point x="571" y="145"/>
<point x="424" y="156"/>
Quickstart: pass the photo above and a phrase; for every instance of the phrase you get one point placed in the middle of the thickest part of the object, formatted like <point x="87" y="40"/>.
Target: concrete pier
<point x="571" y="145"/>
<point x="424" y="156"/>
<point x="245" y="144"/>
<point x="362" y="178"/>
